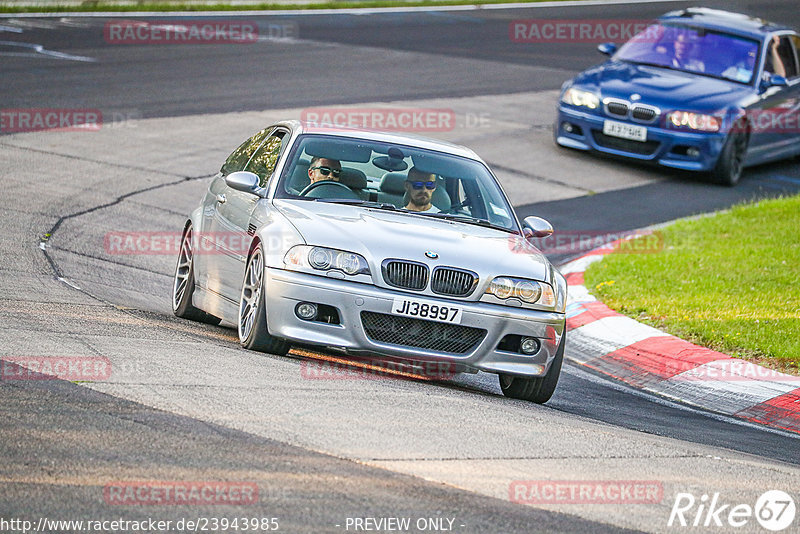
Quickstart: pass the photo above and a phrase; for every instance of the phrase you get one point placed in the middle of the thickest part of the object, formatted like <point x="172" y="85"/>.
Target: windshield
<point x="684" y="48"/>
<point x="396" y="177"/>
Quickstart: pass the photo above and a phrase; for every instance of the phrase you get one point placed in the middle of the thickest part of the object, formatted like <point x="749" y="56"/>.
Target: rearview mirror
<point x="607" y="49"/>
<point x="536" y="227"/>
<point x="246" y="182"/>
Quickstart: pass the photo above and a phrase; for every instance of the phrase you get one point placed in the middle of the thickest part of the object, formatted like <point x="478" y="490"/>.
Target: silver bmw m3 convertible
<point x="378" y="245"/>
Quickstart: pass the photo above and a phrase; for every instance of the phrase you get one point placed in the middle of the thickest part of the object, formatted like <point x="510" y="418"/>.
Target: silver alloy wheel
<point x="251" y="294"/>
<point x="183" y="271"/>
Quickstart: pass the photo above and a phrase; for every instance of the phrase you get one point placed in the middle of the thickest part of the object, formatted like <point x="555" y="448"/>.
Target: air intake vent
<point x="416" y="333"/>
<point x="405" y="274"/>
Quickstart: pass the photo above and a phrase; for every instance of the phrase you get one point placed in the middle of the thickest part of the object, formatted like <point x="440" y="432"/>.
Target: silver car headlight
<point x="581" y="98"/>
<point x="306" y="258"/>
<point x="527" y="291"/>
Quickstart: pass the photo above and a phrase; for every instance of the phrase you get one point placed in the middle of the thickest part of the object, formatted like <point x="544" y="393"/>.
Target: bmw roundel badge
<point x="431" y="254"/>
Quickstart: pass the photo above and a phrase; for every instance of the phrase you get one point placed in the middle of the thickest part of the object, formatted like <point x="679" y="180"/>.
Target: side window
<point x="795" y="44"/>
<point x="239" y="158"/>
<point x="265" y="158"/>
<point x="781" y="58"/>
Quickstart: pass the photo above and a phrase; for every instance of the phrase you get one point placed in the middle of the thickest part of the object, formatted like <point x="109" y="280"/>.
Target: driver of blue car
<point x="683" y="54"/>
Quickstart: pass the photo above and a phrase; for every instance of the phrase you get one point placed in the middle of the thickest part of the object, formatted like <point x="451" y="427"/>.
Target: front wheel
<point x="539" y="389"/>
<point x="253" y="333"/>
<point x="731" y="160"/>
<point x="183" y="285"/>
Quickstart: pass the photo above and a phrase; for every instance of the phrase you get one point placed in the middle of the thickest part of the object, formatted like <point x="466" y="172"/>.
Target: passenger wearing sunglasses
<point x="324" y="169"/>
<point x="419" y="188"/>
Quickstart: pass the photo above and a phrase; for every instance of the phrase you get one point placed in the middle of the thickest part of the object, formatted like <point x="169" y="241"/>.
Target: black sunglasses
<point x="419" y="185"/>
<point x="325" y="171"/>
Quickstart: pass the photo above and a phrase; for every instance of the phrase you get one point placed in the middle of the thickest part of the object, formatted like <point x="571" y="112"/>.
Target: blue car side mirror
<point x="776" y="80"/>
<point x="607" y="49"/>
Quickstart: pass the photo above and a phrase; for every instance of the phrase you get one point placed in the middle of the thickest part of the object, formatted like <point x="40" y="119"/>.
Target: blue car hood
<point x="665" y="88"/>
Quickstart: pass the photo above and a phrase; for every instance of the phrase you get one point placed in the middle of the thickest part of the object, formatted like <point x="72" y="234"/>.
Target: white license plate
<point x="425" y="309"/>
<point x="625" y="131"/>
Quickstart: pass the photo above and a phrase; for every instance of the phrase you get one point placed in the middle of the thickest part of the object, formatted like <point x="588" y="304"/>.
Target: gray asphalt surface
<point x="64" y="443"/>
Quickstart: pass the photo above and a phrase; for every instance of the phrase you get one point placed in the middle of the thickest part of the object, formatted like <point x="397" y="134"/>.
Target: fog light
<point x="306" y="311"/>
<point x="693" y="152"/>
<point x="529" y="345"/>
<point x="567" y="127"/>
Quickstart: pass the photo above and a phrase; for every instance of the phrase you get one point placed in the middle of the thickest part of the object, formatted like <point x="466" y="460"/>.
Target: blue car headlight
<point x="693" y="121"/>
<point x="580" y="98"/>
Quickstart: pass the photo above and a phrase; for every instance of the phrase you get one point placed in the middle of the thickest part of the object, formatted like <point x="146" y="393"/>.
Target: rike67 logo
<point x="774" y="510"/>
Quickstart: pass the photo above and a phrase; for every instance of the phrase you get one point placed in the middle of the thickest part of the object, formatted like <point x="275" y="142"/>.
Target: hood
<point x="667" y="89"/>
<point x="380" y="234"/>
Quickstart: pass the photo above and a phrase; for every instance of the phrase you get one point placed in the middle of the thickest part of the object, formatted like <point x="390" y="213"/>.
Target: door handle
<point x="221" y="199"/>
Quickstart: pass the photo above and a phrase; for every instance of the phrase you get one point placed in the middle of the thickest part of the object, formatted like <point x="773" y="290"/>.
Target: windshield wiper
<point x="651" y="64"/>
<point x="467" y="219"/>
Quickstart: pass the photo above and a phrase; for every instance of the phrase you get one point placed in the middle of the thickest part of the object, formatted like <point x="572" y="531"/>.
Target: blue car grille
<point x="620" y="109"/>
<point x="644" y="114"/>
<point x="646" y="148"/>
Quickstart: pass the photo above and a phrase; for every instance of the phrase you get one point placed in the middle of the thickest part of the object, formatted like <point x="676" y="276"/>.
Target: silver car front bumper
<point x="286" y="289"/>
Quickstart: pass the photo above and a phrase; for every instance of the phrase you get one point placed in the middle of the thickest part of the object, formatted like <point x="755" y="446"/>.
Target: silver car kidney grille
<point x="445" y="280"/>
<point x="453" y="282"/>
<point x="421" y="334"/>
<point x="405" y="274"/>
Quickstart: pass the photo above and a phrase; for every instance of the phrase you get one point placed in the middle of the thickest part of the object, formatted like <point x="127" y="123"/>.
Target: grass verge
<point x="730" y="282"/>
<point x="256" y="6"/>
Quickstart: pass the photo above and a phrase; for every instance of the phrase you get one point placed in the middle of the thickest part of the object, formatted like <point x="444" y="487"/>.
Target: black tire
<point x="252" y="320"/>
<point x="539" y="389"/>
<point x="731" y="160"/>
<point x="183" y="284"/>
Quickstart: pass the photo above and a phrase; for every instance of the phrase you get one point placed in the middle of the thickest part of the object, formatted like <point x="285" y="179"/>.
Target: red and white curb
<point x="648" y="359"/>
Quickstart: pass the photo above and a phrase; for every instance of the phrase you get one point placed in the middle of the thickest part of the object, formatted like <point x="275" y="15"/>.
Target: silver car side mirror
<point x="246" y="182"/>
<point x="536" y="227"/>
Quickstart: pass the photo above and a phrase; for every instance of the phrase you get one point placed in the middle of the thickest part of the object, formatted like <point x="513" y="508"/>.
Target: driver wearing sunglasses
<point x="324" y="169"/>
<point x="419" y="188"/>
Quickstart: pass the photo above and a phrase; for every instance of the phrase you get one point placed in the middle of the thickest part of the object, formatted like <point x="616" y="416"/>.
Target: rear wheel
<point x="183" y="286"/>
<point x="539" y="389"/>
<point x="253" y="333"/>
<point x="731" y="160"/>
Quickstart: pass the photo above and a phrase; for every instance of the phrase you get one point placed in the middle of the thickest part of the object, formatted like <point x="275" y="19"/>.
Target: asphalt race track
<point x="185" y="403"/>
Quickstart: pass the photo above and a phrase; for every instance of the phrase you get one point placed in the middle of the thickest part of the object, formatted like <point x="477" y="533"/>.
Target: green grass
<point x="730" y="282"/>
<point x="255" y="6"/>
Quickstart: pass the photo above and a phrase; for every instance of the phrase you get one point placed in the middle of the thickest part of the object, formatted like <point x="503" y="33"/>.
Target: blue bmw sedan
<point x="699" y="90"/>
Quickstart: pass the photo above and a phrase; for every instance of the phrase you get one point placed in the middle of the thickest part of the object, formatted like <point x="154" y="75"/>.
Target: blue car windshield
<point x="692" y="49"/>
